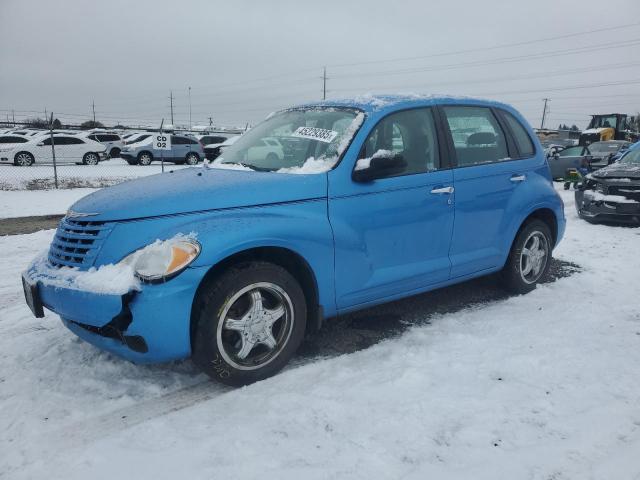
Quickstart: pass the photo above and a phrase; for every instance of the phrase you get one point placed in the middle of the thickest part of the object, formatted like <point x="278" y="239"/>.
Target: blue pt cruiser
<point x="372" y="199"/>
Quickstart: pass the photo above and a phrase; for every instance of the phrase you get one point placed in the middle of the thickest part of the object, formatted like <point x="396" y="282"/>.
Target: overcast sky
<point x="245" y="59"/>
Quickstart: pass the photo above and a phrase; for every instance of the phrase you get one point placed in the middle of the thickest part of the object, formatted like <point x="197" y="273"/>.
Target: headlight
<point x="163" y="259"/>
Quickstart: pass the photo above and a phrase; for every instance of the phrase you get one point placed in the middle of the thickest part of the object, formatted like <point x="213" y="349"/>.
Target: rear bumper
<point x="606" y="211"/>
<point x="149" y="326"/>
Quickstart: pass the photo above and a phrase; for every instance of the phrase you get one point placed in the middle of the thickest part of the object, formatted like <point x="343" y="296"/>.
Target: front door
<point x="392" y="235"/>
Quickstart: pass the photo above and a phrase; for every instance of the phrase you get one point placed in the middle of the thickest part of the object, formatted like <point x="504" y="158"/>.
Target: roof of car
<point x="375" y="103"/>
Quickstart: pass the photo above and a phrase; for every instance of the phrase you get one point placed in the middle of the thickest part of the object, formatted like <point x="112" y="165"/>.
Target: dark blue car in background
<point x="375" y="199"/>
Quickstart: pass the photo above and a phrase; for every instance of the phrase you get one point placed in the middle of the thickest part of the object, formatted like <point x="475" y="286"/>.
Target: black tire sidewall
<point x="510" y="275"/>
<point x="208" y="305"/>
<point x="194" y="155"/>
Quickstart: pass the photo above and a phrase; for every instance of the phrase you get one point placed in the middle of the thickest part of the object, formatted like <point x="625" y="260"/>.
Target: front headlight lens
<point x="163" y="259"/>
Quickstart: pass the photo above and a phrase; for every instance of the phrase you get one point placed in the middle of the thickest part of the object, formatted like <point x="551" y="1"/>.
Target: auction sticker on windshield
<point x="313" y="133"/>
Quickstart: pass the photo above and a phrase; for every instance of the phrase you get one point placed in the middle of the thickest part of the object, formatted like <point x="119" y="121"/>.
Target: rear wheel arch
<point x="548" y="217"/>
<point x="291" y="261"/>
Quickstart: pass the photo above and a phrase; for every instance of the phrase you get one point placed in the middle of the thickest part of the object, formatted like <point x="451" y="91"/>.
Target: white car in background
<point x="68" y="149"/>
<point x="8" y="142"/>
<point x="268" y="150"/>
<point x="111" y="140"/>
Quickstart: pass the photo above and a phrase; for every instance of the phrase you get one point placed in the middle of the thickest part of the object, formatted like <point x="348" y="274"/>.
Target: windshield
<point x="604" y="147"/>
<point x="294" y="141"/>
<point x="633" y="157"/>
<point x="607" y="121"/>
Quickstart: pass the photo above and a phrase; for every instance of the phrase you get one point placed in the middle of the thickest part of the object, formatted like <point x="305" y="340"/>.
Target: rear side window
<point x="95" y="138"/>
<point x="193" y="142"/>
<point x="477" y="136"/>
<point x="520" y="135"/>
<point x="179" y="140"/>
<point x="13" y="140"/>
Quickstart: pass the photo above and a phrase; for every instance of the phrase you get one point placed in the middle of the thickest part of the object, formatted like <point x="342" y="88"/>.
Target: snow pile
<point x="218" y="163"/>
<point x="108" y="279"/>
<point x="364" y="163"/>
<point x="311" y="165"/>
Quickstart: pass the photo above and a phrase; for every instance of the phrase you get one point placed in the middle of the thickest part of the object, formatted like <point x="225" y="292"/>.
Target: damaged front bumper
<point x="593" y="206"/>
<point x="147" y="326"/>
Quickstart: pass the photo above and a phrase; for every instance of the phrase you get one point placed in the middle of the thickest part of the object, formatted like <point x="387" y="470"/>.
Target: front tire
<point x="248" y="323"/>
<point x="192" y="159"/>
<point x="114" y="153"/>
<point x="529" y="258"/>
<point x="23" y="159"/>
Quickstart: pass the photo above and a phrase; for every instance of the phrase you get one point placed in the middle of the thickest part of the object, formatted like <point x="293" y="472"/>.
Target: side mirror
<point x="555" y="156"/>
<point x="384" y="163"/>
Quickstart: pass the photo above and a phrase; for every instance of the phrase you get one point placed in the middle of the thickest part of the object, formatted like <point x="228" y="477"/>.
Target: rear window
<point x="520" y="135"/>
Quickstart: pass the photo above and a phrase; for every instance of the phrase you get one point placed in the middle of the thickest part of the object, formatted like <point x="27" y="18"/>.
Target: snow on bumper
<point x="592" y="204"/>
<point x="147" y="324"/>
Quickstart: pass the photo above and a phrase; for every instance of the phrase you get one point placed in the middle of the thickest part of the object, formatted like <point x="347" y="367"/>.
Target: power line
<point x="494" y="47"/>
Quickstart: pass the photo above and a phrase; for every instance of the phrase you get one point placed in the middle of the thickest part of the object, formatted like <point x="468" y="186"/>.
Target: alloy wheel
<point x="254" y="326"/>
<point x="533" y="257"/>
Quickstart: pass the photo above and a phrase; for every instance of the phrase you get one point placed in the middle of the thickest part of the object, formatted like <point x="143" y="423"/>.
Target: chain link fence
<point x="76" y="159"/>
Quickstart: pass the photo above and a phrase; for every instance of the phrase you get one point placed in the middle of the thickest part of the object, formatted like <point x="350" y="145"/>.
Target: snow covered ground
<point x="71" y="175"/>
<point x="542" y="386"/>
<point x="24" y="203"/>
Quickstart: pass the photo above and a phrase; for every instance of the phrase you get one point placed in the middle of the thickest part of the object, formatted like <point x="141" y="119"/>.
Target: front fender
<point x="301" y="227"/>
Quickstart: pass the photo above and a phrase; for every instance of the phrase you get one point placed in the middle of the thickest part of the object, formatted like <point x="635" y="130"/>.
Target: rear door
<point x="488" y="170"/>
<point x="179" y="148"/>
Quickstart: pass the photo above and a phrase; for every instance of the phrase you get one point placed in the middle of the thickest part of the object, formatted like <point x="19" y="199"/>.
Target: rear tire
<point x="529" y="258"/>
<point x="23" y="159"/>
<point x="114" y="153"/>
<point x="145" y="158"/>
<point x="247" y="323"/>
<point x="192" y="159"/>
<point x="90" y="159"/>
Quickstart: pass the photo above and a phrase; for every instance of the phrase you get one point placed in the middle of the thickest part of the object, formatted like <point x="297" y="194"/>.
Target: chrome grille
<point x="77" y="242"/>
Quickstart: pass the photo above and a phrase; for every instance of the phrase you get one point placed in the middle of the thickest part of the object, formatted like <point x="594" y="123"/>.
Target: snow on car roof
<point x="373" y="103"/>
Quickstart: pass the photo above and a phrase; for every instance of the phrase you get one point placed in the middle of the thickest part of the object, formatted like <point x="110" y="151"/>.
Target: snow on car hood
<point x="618" y="170"/>
<point x="197" y="189"/>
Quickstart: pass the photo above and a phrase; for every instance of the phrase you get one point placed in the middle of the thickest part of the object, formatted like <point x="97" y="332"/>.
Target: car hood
<point x="618" y="170"/>
<point x="197" y="189"/>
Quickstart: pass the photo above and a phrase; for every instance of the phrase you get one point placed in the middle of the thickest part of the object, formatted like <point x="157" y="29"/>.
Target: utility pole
<point x="171" y="103"/>
<point x="544" y="112"/>
<point x="93" y="108"/>
<point x="189" y="108"/>
<point x="211" y="121"/>
<point x="13" y="117"/>
<point x="324" y="83"/>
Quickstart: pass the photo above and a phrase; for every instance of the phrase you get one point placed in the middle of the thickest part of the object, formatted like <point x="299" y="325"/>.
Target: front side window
<point x="312" y="141"/>
<point x="410" y="133"/>
<point x="572" y="152"/>
<point x="477" y="136"/>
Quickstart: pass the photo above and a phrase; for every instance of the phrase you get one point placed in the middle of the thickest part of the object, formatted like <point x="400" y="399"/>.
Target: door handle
<point x="443" y="190"/>
<point x="518" y="178"/>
